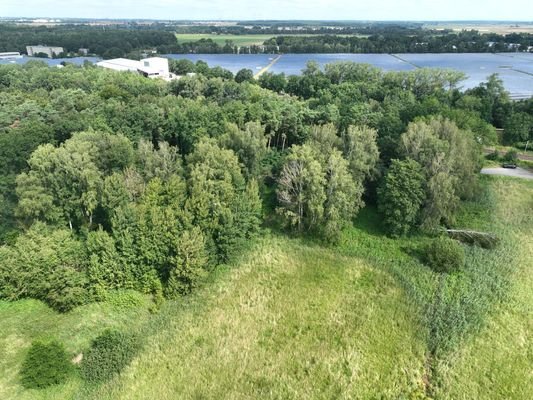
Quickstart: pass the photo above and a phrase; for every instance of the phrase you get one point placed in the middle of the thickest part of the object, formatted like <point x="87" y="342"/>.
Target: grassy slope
<point x="293" y="321"/>
<point x="297" y="320"/>
<point x="23" y="321"/>
<point x="497" y="362"/>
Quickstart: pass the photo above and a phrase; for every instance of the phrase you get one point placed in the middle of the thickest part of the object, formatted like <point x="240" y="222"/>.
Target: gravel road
<point x="518" y="172"/>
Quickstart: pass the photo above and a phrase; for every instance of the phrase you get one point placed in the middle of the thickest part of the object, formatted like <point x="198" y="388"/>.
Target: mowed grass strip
<point x="293" y="321"/>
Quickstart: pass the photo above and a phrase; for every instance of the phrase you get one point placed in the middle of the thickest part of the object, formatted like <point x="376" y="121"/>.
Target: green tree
<point x="244" y="75"/>
<point x="361" y="150"/>
<point x="188" y="264"/>
<point x="401" y="195"/>
<point x="106" y="269"/>
<point x="450" y="159"/>
<point x="518" y="127"/>
<point x="215" y="182"/>
<point x="343" y="196"/>
<point x="63" y="184"/>
<point x="44" y="264"/>
<point x="250" y="145"/>
<point x="300" y="192"/>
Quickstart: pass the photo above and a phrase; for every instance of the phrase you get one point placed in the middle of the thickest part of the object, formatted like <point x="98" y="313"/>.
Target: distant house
<point x="153" y="67"/>
<point x="50" y="51"/>
<point x="10" y="55"/>
<point x="83" y="52"/>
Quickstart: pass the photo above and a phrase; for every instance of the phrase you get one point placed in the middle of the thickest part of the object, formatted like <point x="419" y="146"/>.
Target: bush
<point x="511" y="156"/>
<point x="109" y="354"/>
<point x="126" y="299"/>
<point x="494" y="156"/>
<point x="47" y="363"/>
<point x="445" y="255"/>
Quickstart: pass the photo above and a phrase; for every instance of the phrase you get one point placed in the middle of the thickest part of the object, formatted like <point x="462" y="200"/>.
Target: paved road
<point x="518" y="172"/>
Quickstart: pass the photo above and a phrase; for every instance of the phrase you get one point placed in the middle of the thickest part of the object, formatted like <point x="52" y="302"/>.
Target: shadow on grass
<point x="369" y="221"/>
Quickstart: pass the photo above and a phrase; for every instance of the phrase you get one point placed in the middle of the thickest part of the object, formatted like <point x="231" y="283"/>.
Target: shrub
<point x="494" y="156"/>
<point x="109" y="354"/>
<point x="126" y="299"/>
<point x="445" y="255"/>
<point x="511" y="156"/>
<point x="46" y="363"/>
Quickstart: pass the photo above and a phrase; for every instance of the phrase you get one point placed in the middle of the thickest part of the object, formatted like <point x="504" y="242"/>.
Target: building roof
<point x="120" y="64"/>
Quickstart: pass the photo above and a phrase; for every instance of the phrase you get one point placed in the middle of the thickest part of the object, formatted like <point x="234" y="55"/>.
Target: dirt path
<point x="518" y="172"/>
<point x="521" y="156"/>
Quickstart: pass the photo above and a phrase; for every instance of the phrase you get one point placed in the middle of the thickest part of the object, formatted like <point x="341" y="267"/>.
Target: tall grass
<point x="292" y="321"/>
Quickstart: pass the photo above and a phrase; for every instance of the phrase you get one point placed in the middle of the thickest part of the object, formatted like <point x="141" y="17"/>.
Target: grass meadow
<point x="295" y="319"/>
<point x="238" y="40"/>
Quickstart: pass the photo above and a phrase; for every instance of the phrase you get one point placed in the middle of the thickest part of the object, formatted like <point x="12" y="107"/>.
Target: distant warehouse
<point x="154" y="67"/>
<point x="50" y="51"/>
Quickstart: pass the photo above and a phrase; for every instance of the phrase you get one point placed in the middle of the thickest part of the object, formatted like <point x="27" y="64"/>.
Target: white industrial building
<point x="10" y="55"/>
<point x="50" y="51"/>
<point x="153" y="67"/>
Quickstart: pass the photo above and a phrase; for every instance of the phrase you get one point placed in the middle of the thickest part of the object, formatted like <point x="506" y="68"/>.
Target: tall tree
<point x="401" y="195"/>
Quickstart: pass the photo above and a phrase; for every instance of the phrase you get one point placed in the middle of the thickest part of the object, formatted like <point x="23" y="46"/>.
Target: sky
<point x="415" y="10"/>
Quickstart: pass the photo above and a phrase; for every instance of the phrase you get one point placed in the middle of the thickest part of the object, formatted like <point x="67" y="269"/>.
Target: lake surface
<point x="515" y="69"/>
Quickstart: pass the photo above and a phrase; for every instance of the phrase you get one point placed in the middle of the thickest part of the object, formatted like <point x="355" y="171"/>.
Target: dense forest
<point x="142" y="184"/>
<point x="304" y="27"/>
<point x="105" y="41"/>
<point x="132" y="40"/>
<point x="390" y="41"/>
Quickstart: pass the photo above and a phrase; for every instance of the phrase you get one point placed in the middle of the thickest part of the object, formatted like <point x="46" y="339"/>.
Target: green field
<point x="299" y="320"/>
<point x="239" y="40"/>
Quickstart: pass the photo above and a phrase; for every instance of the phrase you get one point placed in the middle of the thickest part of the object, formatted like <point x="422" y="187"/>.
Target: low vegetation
<point x="445" y="255"/>
<point x="109" y="353"/>
<point x="46" y="363"/>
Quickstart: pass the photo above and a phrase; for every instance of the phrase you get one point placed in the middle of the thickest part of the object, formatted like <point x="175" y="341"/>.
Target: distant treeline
<point x="306" y="27"/>
<point x="104" y="41"/>
<point x="407" y="41"/>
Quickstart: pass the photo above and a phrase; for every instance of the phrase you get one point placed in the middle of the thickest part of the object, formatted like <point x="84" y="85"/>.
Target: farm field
<point x="239" y="40"/>
<point x="484" y="27"/>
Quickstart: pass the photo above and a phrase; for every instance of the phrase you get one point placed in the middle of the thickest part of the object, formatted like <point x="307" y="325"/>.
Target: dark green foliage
<point x="518" y="127"/>
<point x="46" y="364"/>
<point x="400" y="196"/>
<point x="123" y="168"/>
<point x="445" y="255"/>
<point x="188" y="264"/>
<point x="510" y="157"/>
<point x="244" y="75"/>
<point x="46" y="264"/>
<point x="114" y="41"/>
<point x="450" y="160"/>
<point x="320" y="188"/>
<point x="493" y="156"/>
<point x="108" y="355"/>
